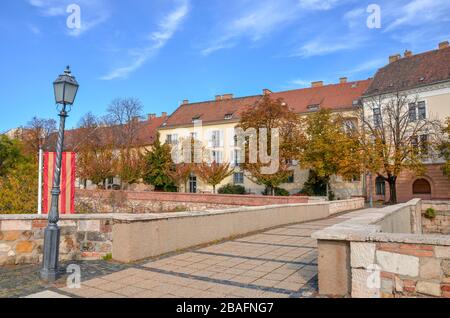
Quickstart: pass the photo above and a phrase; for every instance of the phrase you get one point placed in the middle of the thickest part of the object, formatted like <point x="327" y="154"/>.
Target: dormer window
<point x="313" y="108"/>
<point x="228" y="116"/>
<point x="196" y="119"/>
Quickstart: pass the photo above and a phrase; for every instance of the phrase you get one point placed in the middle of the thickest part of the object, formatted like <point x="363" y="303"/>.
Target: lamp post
<point x="65" y="89"/>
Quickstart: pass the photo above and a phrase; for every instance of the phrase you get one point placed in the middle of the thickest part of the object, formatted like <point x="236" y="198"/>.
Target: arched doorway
<point x="422" y="187"/>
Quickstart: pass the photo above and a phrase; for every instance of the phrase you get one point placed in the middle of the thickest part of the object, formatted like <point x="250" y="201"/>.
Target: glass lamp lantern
<point x="65" y="87"/>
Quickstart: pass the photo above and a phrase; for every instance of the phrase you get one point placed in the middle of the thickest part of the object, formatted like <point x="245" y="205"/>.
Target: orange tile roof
<point x="334" y="96"/>
<point x="409" y="72"/>
<point x="211" y="111"/>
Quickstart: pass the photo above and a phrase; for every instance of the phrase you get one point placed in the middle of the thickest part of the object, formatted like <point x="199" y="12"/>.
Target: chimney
<point x="218" y="97"/>
<point x="317" y="84"/>
<point x="343" y="80"/>
<point x="394" y="58"/>
<point x="163" y="114"/>
<point x="227" y="96"/>
<point x="185" y="102"/>
<point x="408" y="53"/>
<point x="151" y="116"/>
<point x="266" y="92"/>
<point x="443" y="45"/>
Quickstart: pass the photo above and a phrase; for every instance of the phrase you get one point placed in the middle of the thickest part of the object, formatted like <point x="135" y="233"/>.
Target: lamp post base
<point x="50" y="270"/>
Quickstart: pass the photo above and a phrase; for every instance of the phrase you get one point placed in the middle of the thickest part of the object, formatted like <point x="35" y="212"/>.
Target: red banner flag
<point x="67" y="197"/>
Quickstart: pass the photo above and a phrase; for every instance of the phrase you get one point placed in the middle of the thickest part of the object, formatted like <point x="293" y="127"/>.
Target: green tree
<point x="158" y="162"/>
<point x="328" y="149"/>
<point x="11" y="155"/>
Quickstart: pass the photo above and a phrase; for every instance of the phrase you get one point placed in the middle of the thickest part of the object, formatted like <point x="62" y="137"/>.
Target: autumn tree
<point x="444" y="148"/>
<point x="94" y="147"/>
<point x="157" y="163"/>
<point x="213" y="173"/>
<point x="180" y="174"/>
<point x="397" y="136"/>
<point x="129" y="166"/>
<point x="329" y="147"/>
<point x="265" y="118"/>
<point x="36" y="134"/>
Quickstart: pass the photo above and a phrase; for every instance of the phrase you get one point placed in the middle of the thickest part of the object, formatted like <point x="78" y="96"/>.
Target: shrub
<point x="279" y="192"/>
<point x="232" y="189"/>
<point x="430" y="213"/>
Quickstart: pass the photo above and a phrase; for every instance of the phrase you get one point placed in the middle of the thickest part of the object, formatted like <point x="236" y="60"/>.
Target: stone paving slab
<point x="278" y="263"/>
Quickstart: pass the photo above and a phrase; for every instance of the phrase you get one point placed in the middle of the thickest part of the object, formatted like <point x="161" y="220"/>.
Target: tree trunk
<point x="214" y="189"/>
<point x="392" y="180"/>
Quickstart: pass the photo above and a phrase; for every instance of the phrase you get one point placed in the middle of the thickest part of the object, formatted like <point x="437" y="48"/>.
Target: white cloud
<point x="419" y="12"/>
<point x="261" y="18"/>
<point x="323" y="45"/>
<point x="93" y="12"/>
<point x="158" y="39"/>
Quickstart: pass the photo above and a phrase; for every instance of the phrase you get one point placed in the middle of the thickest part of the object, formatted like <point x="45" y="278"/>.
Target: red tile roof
<point x="335" y="97"/>
<point x="210" y="111"/>
<point x="409" y="72"/>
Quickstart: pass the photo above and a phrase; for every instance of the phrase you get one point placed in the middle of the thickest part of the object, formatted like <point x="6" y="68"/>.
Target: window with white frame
<point x="417" y="111"/>
<point x="217" y="156"/>
<point x="216" y="141"/>
<point x="238" y="178"/>
<point x="377" y="119"/>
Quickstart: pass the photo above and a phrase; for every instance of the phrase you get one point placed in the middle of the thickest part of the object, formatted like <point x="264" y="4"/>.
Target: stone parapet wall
<point x="383" y="253"/>
<point x="346" y="205"/>
<point x="189" y="199"/>
<point x="441" y="223"/>
<point x="22" y="238"/>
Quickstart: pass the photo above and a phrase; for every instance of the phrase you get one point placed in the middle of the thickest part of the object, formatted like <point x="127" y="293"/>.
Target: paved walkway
<point x="281" y="262"/>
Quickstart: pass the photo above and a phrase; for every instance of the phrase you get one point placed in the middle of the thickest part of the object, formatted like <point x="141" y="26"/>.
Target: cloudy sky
<point x="164" y="51"/>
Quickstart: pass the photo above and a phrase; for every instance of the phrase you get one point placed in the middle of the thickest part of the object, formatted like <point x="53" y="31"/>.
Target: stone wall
<point x="22" y="238"/>
<point x="396" y="270"/>
<point x="141" y="201"/>
<point x="383" y="253"/>
<point x="346" y="205"/>
<point x="441" y="223"/>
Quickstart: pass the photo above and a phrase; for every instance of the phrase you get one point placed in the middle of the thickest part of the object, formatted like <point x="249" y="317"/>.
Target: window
<point x="417" y="111"/>
<point x="377" y="120"/>
<point x="195" y="119"/>
<point x="194" y="136"/>
<point x="238" y="178"/>
<point x="236" y="160"/>
<point x="421" y="186"/>
<point x="228" y="116"/>
<point x="314" y="107"/>
<point x="217" y="156"/>
<point x="291" y="177"/>
<point x="380" y="186"/>
<point x="215" y="139"/>
<point x="415" y="142"/>
<point x="422" y="110"/>
<point x="169" y="139"/>
<point x="424" y="144"/>
<point x="412" y="112"/>
<point x="172" y="139"/>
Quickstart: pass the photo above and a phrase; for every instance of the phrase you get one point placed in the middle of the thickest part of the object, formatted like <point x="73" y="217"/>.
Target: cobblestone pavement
<point x="277" y="263"/>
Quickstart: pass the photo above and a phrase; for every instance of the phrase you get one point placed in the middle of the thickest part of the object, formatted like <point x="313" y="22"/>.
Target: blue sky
<point x="164" y="51"/>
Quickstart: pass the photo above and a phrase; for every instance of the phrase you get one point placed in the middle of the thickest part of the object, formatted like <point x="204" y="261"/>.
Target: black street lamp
<point x="66" y="88"/>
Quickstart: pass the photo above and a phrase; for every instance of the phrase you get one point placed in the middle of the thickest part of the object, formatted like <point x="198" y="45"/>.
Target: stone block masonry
<point x="441" y="223"/>
<point x="21" y="240"/>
